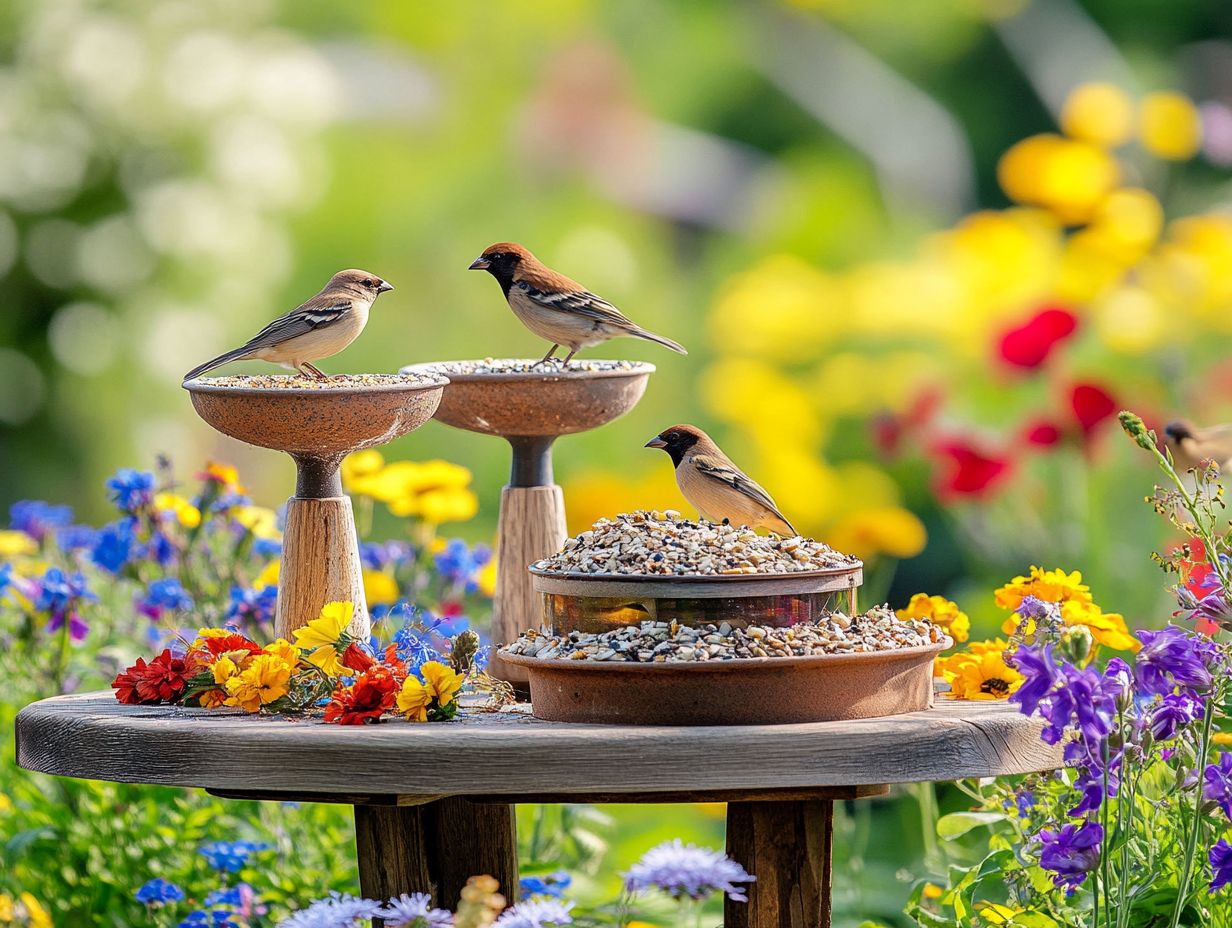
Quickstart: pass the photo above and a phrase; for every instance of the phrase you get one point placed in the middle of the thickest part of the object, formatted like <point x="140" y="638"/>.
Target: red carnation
<point x="161" y="680"/>
<point x="371" y="695"/>
<point x="1029" y="345"/>
<point x="356" y="658"/>
<point x="1092" y="405"/>
<point x="967" y="471"/>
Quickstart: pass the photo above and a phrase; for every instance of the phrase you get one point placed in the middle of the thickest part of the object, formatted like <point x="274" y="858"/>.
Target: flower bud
<point x="1136" y="429"/>
<point x="1076" y="645"/>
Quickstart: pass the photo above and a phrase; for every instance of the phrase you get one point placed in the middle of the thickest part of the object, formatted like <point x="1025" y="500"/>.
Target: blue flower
<point x="1218" y="786"/>
<point x="160" y="549"/>
<point x="554" y="884"/>
<point x="166" y="594"/>
<point x="6" y="574"/>
<point x="230" y="896"/>
<point x="255" y="606"/>
<point x="219" y="918"/>
<point x="338" y="910"/>
<point x="114" y="545"/>
<point x="415" y="911"/>
<point x="1221" y="864"/>
<point x="159" y="891"/>
<point x="37" y="518"/>
<point x="131" y="490"/>
<point x="1070" y="853"/>
<point x="536" y="913"/>
<point x="230" y="856"/>
<point x="459" y="564"/>
<point x="414" y="647"/>
<point x="687" y="870"/>
<point x="267" y="547"/>
<point x="59" y="594"/>
<point x="1174" y="658"/>
<point x="379" y="555"/>
<point x="1173" y="713"/>
<point x="76" y="537"/>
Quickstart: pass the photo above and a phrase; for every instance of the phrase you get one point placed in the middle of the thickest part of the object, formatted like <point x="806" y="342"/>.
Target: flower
<point x="256" y="605"/>
<point x="17" y="544"/>
<point x="159" y="891"/>
<point x="1108" y="628"/>
<point x="1218" y="783"/>
<point x="1041" y="433"/>
<point x="441" y="682"/>
<point x="338" y="910"/>
<point x="1170" y="126"/>
<point x="225" y="477"/>
<point x="553" y="884"/>
<point x="37" y="518"/>
<point x="965" y="470"/>
<point x="413" y="700"/>
<point x="131" y="490"/>
<point x="983" y="675"/>
<point x="230" y="856"/>
<point x="59" y="595"/>
<point x="1092" y="405"/>
<point x="164" y="594"/>
<point x="356" y="658"/>
<point x="266" y="679"/>
<point x="536" y="913"/>
<point x="113" y="546"/>
<point x="939" y="611"/>
<point x="1220" y="859"/>
<point x="1028" y="346"/>
<point x="380" y="589"/>
<point x="1174" y="658"/>
<point x="869" y="532"/>
<point x="184" y="512"/>
<point x="1039" y="673"/>
<point x="323" y="634"/>
<point x="415" y="911"/>
<point x="1098" y="112"/>
<point x="460" y="564"/>
<point x="1069" y="177"/>
<point x="1050" y="586"/>
<point x="371" y="695"/>
<point x="1172" y="713"/>
<point x="1070" y="853"/>
<point x="687" y="870"/>
<point x="163" y="679"/>
<point x="219" y="918"/>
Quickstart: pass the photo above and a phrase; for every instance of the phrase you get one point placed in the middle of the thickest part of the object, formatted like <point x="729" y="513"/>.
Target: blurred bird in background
<point x="555" y="307"/>
<point x="1190" y="446"/>
<point x="716" y="487"/>
<point x="319" y="328"/>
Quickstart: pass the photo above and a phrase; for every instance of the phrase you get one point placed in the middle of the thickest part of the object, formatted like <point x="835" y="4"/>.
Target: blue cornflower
<point x="254" y="606"/>
<point x="76" y="538"/>
<point x="459" y="563"/>
<point x="230" y="856"/>
<point x="37" y="518"/>
<point x="414" y="647"/>
<point x="115" y="543"/>
<point x="166" y="594"/>
<point x="159" y="891"/>
<point x="687" y="870"/>
<point x="338" y="910"/>
<point x="58" y="596"/>
<point x="415" y="911"/>
<point x="1221" y="864"/>
<point x="1218" y="785"/>
<point x="1070" y="853"/>
<point x="554" y="884"/>
<point x="131" y="490"/>
<point x="218" y="918"/>
<point x="536" y="913"/>
<point x="1173" y="658"/>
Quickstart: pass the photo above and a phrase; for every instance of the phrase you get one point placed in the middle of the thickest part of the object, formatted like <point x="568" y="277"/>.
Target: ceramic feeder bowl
<point x="318" y="427"/>
<point x="530" y="409"/>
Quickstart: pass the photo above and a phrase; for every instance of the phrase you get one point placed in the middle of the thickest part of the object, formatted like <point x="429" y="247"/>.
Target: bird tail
<point x="234" y="354"/>
<point x="665" y="342"/>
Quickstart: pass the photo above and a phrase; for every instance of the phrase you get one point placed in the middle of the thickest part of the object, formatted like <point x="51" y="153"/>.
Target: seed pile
<point x="663" y="642"/>
<point x="531" y="366"/>
<point x="335" y="381"/>
<point x="663" y="544"/>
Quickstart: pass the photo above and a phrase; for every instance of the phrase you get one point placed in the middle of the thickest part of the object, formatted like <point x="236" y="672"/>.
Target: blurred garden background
<point x="920" y="252"/>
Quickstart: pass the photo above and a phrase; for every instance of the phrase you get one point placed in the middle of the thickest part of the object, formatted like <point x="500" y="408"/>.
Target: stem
<point x="1204" y="747"/>
<point x="1105" y="866"/>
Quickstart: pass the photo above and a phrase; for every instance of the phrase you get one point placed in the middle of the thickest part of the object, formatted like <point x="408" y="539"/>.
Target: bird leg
<point x="547" y="357"/>
<point x="571" y="354"/>
<point x="315" y="371"/>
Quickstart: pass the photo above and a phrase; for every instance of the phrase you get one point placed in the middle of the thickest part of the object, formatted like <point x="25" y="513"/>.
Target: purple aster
<point x="687" y="870"/>
<point x="1221" y="864"/>
<point x="1218" y="785"/>
<point x="415" y="911"/>
<point x="158" y="892"/>
<point x="131" y="490"/>
<point x="536" y="913"/>
<point x="1174" y="658"/>
<point x="1071" y="853"/>
<point x="166" y="594"/>
<point x="1172" y="713"/>
<point x="1040" y="671"/>
<point x="37" y="518"/>
<point x="114" y="545"/>
<point x="338" y="910"/>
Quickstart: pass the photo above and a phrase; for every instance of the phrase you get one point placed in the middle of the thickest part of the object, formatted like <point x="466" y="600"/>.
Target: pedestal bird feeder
<point x="530" y="408"/>
<point x="318" y="426"/>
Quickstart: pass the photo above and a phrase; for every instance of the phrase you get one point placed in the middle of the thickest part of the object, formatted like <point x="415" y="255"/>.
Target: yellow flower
<point x="1050" y="586"/>
<point x="868" y="533"/>
<point x="16" y="544"/>
<point x="452" y="504"/>
<point x="265" y="680"/>
<point x="1108" y="628"/>
<point x="226" y="475"/>
<point x="185" y="512"/>
<point x="940" y="611"/>
<point x="262" y="522"/>
<point x="413" y="700"/>
<point x="380" y="589"/>
<point x="486" y="578"/>
<point x="7" y="911"/>
<point x="213" y="699"/>
<point x="36" y="915"/>
<point x="360" y="464"/>
<point x="441" y="682"/>
<point x="321" y="635"/>
<point x="1100" y="113"/>
<point x="1222" y="737"/>
<point x="268" y="575"/>
<point x="285" y="651"/>
<point x="1170" y="126"/>
<point x="6" y="804"/>
<point x="979" y="675"/>
<point x="1068" y="177"/>
<point x="224" y="669"/>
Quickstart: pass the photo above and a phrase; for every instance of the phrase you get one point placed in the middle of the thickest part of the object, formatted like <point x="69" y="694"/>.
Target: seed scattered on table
<point x="531" y="366"/>
<point x="335" y="381"/>
<point x="879" y="629"/>
<point x="664" y="544"/>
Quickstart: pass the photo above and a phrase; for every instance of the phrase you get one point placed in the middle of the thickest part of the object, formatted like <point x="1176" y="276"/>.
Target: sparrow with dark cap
<point x="555" y="307"/>
<point x="319" y="328"/>
<point x="716" y="487"/>
<point x="1190" y="446"/>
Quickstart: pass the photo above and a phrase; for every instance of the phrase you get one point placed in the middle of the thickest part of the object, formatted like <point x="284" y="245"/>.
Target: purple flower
<point x="1174" y="658"/>
<point x="59" y="596"/>
<point x="76" y="537"/>
<point x="379" y="555"/>
<point x="687" y="870"/>
<point x="252" y="606"/>
<point x="1071" y="853"/>
<point x="37" y="518"/>
<point x="114" y="546"/>
<point x="415" y="911"/>
<point x="158" y="892"/>
<point x="1218" y="786"/>
<point x="164" y="595"/>
<point x="536" y="913"/>
<point x="1173" y="713"/>
<point x="1040" y="671"/>
<point x="131" y="490"/>
<point x="338" y="910"/>
<point x="1221" y="864"/>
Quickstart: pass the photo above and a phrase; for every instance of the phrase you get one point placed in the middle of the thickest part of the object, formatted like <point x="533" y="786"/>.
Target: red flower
<point x="371" y="695"/>
<point x="1042" y="433"/>
<point x="161" y="680"/>
<point x="357" y="658"/>
<point x="889" y="429"/>
<point x="967" y="471"/>
<point x="1029" y="345"/>
<point x="1092" y="405"/>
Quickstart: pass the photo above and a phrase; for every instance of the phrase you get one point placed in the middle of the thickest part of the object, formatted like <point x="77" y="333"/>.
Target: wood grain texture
<point x="787" y="846"/>
<point x="531" y="526"/>
<point x="320" y="564"/>
<point x="510" y="752"/>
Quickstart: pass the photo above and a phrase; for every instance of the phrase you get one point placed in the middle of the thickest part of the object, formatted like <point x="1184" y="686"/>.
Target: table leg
<point x="787" y="846"/>
<point x="435" y="848"/>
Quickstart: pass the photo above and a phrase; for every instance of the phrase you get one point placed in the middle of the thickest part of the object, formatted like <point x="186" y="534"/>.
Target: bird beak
<point x="480" y="264"/>
<point x="655" y="442"/>
<point x="385" y="287"/>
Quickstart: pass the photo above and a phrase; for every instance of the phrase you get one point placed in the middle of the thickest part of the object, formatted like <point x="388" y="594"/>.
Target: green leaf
<point x="957" y="824"/>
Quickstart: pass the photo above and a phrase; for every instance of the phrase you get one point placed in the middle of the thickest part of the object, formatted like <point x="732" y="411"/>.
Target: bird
<point x="316" y="329"/>
<point x="717" y="488"/>
<point x="555" y="307"/>
<point x="1190" y="446"/>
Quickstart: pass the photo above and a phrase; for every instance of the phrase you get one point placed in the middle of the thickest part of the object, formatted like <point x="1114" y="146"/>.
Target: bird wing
<point x="314" y="314"/>
<point x="726" y="472"/>
<point x="581" y="302"/>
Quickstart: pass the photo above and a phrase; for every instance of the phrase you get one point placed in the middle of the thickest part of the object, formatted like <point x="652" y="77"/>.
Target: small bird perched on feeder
<point x="1190" y="446"/>
<point x="555" y="307"/>
<point x="716" y="487"/>
<point x="317" y="329"/>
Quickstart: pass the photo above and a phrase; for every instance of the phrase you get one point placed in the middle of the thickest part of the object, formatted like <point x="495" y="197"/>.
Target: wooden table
<point x="434" y="802"/>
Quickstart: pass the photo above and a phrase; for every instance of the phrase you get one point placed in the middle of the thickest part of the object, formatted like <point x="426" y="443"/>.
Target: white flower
<point x="687" y="870"/>
<point x="339" y="910"/>
<point x="415" y="911"/>
<point x="536" y="913"/>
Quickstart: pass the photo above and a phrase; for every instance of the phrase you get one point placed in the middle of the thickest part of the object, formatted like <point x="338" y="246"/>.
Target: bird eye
<point x="368" y="283"/>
